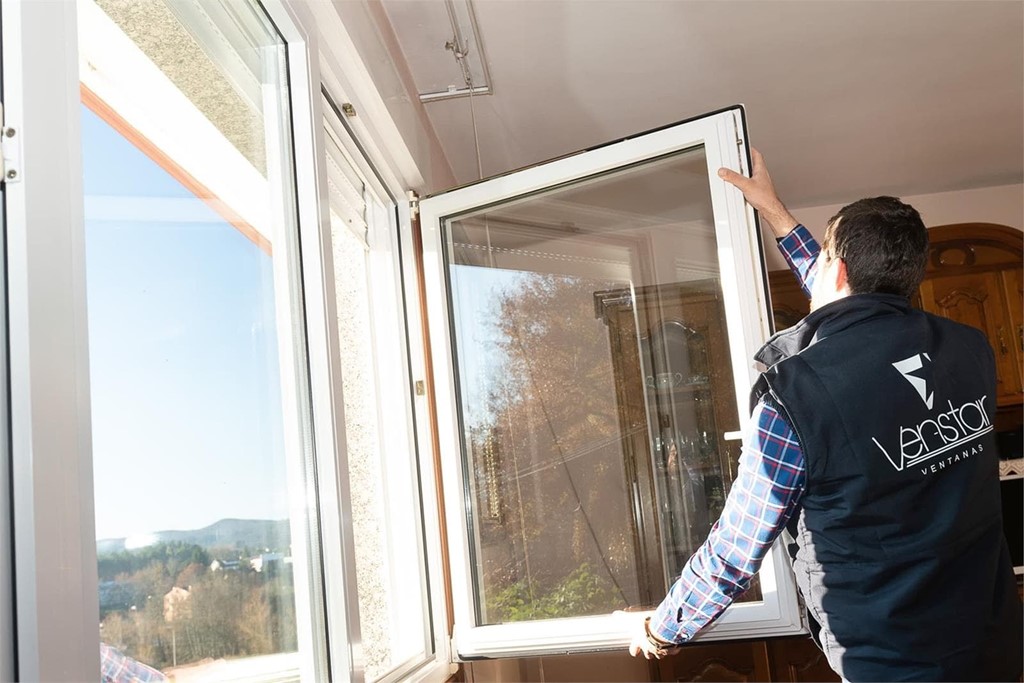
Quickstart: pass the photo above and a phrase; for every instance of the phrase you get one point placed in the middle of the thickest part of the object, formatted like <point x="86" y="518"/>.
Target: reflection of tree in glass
<point x="558" y="542"/>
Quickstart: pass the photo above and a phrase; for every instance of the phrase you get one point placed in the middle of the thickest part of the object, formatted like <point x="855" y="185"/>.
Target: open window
<point x="593" y="320"/>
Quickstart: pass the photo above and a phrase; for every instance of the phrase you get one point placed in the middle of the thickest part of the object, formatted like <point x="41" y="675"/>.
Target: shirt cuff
<point x="794" y="238"/>
<point x="666" y="625"/>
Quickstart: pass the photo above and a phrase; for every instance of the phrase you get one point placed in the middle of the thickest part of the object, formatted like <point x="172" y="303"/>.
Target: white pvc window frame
<point x="325" y="58"/>
<point x="375" y="143"/>
<point x="49" y="626"/>
<point x="55" y="598"/>
<point x="740" y="259"/>
<point x="56" y="634"/>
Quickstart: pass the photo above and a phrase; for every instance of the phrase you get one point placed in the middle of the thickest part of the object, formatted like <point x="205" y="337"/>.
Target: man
<point x="872" y="445"/>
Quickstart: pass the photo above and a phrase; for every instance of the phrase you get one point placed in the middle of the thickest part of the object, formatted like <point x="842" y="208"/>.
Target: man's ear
<point x="842" y="279"/>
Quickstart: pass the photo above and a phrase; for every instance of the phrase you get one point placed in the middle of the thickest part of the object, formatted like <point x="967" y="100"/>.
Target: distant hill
<point x="226" y="533"/>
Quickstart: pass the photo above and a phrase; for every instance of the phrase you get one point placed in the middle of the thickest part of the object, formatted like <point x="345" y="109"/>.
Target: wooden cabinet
<point x="974" y="277"/>
<point x="789" y="302"/>
<point x="1013" y="282"/>
<point x="978" y="300"/>
<point x="796" y="659"/>
<point x="733" y="662"/>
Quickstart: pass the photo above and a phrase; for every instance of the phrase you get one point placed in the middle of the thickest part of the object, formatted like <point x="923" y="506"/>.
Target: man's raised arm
<point x="796" y="243"/>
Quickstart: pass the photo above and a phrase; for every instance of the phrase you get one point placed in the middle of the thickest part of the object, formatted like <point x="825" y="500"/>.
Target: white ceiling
<point x="845" y="99"/>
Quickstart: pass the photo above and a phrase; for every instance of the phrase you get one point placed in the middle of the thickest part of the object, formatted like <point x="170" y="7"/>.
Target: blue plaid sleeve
<point x="116" y="667"/>
<point x="801" y="250"/>
<point x="768" y="487"/>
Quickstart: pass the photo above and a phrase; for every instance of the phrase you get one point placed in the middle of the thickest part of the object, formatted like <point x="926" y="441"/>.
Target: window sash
<point x="390" y="372"/>
<point x="741" y="268"/>
<point x="393" y="275"/>
<point x="54" y="609"/>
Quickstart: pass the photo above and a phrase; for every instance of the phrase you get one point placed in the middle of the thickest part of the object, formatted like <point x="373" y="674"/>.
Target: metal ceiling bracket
<point x="466" y="45"/>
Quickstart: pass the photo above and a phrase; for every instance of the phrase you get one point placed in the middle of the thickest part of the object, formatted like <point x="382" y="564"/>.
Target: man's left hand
<point x="644" y="645"/>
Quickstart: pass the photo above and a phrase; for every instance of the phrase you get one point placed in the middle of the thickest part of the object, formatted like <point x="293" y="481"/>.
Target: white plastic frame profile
<point x="311" y="507"/>
<point x="55" y="576"/>
<point x="57" y="622"/>
<point x="312" y="30"/>
<point x="740" y="261"/>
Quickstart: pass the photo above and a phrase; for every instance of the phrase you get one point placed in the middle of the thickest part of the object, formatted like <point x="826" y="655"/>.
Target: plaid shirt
<point x="118" y="668"/>
<point x="768" y="488"/>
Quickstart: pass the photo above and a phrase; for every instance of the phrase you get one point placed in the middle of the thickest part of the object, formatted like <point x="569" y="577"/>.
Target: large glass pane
<point x="595" y="388"/>
<point x="387" y="523"/>
<point x="198" y="373"/>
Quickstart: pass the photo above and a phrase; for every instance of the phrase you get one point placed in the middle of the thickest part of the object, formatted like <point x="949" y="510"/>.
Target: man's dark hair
<point x="884" y="244"/>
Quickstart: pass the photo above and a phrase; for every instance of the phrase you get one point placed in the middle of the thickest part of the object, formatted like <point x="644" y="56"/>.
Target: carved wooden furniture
<point x="789" y="303"/>
<point x="974" y="277"/>
<point x="796" y="660"/>
<point x="737" y="662"/>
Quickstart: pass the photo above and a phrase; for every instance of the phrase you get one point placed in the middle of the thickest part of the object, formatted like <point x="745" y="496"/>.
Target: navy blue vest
<point x="898" y="547"/>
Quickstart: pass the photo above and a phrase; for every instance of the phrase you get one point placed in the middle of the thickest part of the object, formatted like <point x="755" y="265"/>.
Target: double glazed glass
<point x="200" y="403"/>
<point x="595" y="387"/>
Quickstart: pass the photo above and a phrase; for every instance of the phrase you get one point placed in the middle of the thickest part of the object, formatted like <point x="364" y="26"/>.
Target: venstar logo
<point x="948" y="431"/>
<point x="949" y="434"/>
<point x="915" y="364"/>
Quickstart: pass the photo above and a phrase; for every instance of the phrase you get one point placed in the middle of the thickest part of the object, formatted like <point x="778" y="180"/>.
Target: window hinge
<point x="10" y="151"/>
<point x="414" y="203"/>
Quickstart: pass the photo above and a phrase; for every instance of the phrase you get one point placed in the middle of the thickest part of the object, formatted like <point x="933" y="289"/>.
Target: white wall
<point x="1003" y="205"/>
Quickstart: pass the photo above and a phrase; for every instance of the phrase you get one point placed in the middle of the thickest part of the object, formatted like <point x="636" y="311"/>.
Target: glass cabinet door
<point x="593" y="321"/>
<point x="672" y="361"/>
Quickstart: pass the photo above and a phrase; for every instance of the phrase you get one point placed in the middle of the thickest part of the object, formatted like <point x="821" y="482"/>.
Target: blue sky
<point x="183" y="357"/>
<point x="477" y="293"/>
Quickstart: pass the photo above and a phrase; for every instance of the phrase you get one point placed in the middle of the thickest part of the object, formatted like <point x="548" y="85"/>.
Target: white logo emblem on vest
<point x="913" y="364"/>
<point x="952" y="434"/>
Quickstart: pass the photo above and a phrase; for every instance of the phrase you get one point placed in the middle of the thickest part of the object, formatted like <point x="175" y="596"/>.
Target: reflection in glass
<point x="595" y="387"/>
<point x="199" y="402"/>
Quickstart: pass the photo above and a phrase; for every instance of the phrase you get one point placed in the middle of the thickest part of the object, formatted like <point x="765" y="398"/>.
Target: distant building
<point x="176" y="604"/>
<point x="114" y="595"/>
<point x="265" y="561"/>
<point x="225" y="565"/>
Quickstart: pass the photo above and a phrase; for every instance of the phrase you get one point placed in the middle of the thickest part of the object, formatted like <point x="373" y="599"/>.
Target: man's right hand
<point x="760" y="194"/>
